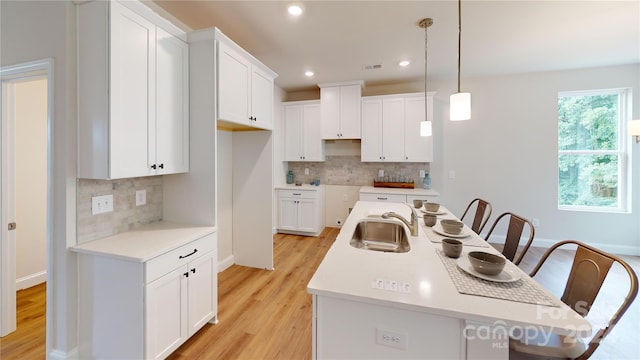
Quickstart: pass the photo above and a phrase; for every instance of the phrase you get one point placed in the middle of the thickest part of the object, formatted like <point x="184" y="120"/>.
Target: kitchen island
<point x="370" y="304"/>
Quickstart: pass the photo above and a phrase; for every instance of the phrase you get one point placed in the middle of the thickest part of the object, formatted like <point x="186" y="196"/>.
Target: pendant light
<point x="425" y="126"/>
<point x="460" y="103"/>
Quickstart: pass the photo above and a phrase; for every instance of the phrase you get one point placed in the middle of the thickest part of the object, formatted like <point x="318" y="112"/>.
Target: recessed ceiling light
<point x="404" y="63"/>
<point x="308" y="73"/>
<point x="295" y="10"/>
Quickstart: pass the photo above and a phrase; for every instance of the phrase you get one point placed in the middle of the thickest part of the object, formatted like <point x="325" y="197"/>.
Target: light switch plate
<point x="101" y="204"/>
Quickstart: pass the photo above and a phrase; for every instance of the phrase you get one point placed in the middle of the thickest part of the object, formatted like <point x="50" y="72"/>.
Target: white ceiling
<point x="336" y="39"/>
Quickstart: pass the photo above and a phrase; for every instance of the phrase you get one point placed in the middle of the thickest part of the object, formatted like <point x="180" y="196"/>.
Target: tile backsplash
<point x="349" y="170"/>
<point x="126" y="215"/>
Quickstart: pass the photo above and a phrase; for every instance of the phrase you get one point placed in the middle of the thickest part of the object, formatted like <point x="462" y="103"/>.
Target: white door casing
<point x="8" y="75"/>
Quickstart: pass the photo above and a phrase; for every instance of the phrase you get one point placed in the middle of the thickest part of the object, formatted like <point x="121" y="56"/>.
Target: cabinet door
<point x="166" y="313"/>
<point x="417" y="148"/>
<point x="288" y="214"/>
<point x="233" y="85"/>
<point x="330" y="112"/>
<point x="293" y="130"/>
<point x="350" y="96"/>
<point x="371" y="144"/>
<point x="393" y="131"/>
<point x="307" y="215"/>
<point x="171" y="150"/>
<point x="202" y="293"/>
<point x="132" y="92"/>
<point x="261" y="98"/>
<point x="312" y="143"/>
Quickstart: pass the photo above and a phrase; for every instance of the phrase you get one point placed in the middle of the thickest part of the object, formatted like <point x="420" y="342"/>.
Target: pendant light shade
<point x="460" y="106"/>
<point x="425" y="126"/>
<point x="460" y="103"/>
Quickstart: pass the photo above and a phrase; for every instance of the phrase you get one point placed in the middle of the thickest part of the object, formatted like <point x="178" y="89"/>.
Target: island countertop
<point x="422" y="282"/>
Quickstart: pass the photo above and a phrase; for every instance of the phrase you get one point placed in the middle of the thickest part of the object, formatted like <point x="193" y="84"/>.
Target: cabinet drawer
<point x="383" y="197"/>
<point x="299" y="194"/>
<point x="175" y="258"/>
<point x="429" y="198"/>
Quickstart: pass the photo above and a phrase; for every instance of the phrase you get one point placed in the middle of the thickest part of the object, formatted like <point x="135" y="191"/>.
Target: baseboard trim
<point x="31" y="280"/>
<point x="226" y="263"/>
<point x="546" y="243"/>
<point x="61" y="355"/>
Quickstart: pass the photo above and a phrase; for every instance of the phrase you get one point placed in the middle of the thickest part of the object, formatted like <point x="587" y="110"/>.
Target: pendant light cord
<point x="425" y="23"/>
<point x="459" y="38"/>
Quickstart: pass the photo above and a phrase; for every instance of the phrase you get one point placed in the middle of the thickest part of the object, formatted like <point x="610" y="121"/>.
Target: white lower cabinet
<point x="178" y="304"/>
<point x="146" y="310"/>
<point x="301" y="211"/>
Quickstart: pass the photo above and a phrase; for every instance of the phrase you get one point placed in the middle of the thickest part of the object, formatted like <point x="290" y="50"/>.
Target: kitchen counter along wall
<point x="349" y="170"/>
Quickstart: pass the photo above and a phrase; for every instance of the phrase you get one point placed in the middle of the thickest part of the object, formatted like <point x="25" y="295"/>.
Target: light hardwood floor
<point x="267" y="314"/>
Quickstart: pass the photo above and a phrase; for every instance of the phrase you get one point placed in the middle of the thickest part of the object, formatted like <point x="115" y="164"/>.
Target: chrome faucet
<point x="413" y="225"/>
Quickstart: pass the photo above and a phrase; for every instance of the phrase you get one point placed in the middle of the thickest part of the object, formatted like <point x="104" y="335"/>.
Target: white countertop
<point x="145" y="242"/>
<point x="399" y="191"/>
<point x="301" y="187"/>
<point x="349" y="273"/>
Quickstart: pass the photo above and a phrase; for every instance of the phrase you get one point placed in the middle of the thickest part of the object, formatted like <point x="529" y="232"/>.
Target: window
<point x="592" y="156"/>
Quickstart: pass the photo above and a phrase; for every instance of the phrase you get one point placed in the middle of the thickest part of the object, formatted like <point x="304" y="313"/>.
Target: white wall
<point x="507" y="154"/>
<point x="225" y="198"/>
<point x="31" y="182"/>
<point x="33" y="30"/>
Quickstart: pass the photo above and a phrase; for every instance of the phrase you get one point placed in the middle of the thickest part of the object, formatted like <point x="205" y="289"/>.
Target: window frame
<point x="623" y="152"/>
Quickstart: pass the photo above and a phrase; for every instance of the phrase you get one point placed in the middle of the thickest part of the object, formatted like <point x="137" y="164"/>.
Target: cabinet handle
<point x="186" y="274"/>
<point x="382" y="198"/>
<point x="298" y="194"/>
<point x="189" y="254"/>
<point x="406" y="158"/>
<point x="153" y="166"/>
<point x="193" y="270"/>
<point x="161" y="166"/>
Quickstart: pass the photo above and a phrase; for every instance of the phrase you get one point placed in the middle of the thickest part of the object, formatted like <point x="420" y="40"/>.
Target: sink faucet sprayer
<point x="413" y="225"/>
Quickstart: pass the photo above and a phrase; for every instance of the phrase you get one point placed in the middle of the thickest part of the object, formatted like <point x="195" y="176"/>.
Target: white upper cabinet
<point x="391" y="129"/>
<point x="245" y="88"/>
<point x="132" y="92"/>
<point x="302" y="140"/>
<point x="340" y="110"/>
<point x="417" y="148"/>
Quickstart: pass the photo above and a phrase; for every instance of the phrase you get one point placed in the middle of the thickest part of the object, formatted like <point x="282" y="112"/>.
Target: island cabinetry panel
<point x="133" y="92"/>
<point x="345" y="329"/>
<point x="302" y="141"/>
<point x="245" y="88"/>
<point x="340" y="110"/>
<point x="391" y="129"/>
<point x="146" y="309"/>
<point x="301" y="211"/>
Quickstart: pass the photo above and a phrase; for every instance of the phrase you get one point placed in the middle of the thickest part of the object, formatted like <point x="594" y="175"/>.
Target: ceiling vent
<point x="372" y="67"/>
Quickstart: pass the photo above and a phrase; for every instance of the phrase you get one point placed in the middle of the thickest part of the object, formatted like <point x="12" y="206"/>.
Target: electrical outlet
<point x="422" y="172"/>
<point x="141" y="197"/>
<point x="452" y="174"/>
<point x="345" y="197"/>
<point x="101" y="204"/>
<point x="391" y="338"/>
<point x="535" y="222"/>
<point x="306" y="171"/>
<point x="339" y="222"/>
<point x="380" y="173"/>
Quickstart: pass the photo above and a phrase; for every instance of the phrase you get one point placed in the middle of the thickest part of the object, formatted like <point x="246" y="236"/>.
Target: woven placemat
<point x="524" y="290"/>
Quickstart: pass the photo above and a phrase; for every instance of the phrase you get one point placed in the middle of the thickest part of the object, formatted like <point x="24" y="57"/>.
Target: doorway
<point x="25" y="170"/>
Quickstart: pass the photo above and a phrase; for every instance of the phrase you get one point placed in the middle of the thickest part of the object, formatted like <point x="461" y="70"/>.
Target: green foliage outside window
<point x="588" y="147"/>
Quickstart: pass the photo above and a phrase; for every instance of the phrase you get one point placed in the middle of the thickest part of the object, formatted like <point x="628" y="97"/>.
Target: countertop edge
<point x="112" y="246"/>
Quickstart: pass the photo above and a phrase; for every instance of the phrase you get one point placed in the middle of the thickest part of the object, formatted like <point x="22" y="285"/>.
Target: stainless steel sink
<point x="376" y="235"/>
